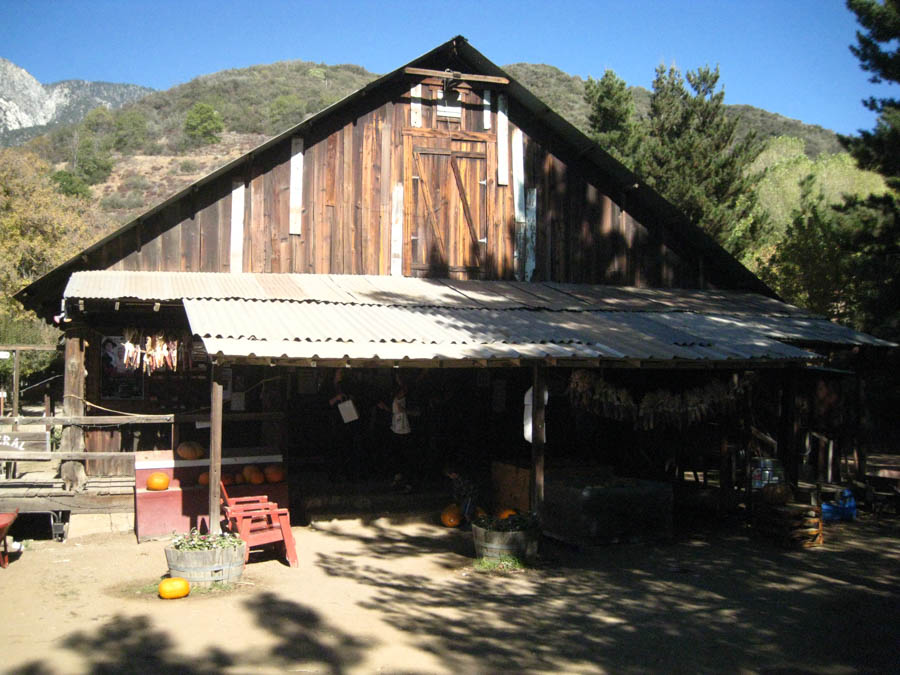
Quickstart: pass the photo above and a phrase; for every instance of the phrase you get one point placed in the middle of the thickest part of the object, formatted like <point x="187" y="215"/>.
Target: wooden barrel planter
<point x="521" y="544"/>
<point x="223" y="565"/>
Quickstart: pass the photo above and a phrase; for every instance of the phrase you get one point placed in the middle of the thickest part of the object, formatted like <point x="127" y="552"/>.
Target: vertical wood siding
<point x="353" y="170"/>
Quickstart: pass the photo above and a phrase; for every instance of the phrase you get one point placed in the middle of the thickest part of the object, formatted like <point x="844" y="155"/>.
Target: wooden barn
<point x="440" y="230"/>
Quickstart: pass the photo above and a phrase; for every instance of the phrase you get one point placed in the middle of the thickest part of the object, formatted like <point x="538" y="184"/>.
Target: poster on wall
<point x="117" y="380"/>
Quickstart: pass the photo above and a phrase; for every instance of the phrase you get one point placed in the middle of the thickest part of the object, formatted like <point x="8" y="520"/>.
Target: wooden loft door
<point x="447" y="185"/>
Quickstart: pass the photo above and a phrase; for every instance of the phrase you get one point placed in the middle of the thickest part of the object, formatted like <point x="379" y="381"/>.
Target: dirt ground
<point x="385" y="596"/>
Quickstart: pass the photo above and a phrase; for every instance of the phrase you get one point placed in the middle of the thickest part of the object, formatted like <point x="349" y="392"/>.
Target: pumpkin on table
<point x="274" y="473"/>
<point x="158" y="481"/>
<point x="190" y="450"/>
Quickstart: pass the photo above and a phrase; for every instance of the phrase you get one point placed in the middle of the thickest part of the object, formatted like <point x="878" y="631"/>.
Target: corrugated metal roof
<point x="294" y="316"/>
<point x="293" y="330"/>
<point x="387" y="290"/>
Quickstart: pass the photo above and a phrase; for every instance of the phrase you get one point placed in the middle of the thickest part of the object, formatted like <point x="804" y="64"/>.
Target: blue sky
<point x="787" y="56"/>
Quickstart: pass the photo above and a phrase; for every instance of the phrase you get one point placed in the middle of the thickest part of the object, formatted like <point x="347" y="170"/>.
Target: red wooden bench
<point x="258" y="522"/>
<point x="6" y="519"/>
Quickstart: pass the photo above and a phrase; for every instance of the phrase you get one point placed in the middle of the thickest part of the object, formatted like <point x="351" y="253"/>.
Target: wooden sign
<point x="33" y="441"/>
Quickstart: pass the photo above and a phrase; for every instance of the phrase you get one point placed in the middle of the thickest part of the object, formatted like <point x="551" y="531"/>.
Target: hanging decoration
<point x="152" y="352"/>
<point x="659" y="407"/>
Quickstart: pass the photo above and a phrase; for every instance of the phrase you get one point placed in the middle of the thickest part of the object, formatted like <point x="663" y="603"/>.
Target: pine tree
<point x="692" y="155"/>
<point x="611" y="118"/>
<point x="878" y="53"/>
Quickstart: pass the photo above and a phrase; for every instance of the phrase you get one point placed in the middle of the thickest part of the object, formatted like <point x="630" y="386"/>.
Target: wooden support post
<point x="538" y="439"/>
<point x="789" y="427"/>
<point x="73" y="388"/>
<point x="15" y="391"/>
<point x="860" y="453"/>
<point x="215" y="449"/>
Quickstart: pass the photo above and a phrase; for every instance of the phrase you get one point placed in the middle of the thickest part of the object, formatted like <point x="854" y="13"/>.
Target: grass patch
<point x="149" y="588"/>
<point x="505" y="563"/>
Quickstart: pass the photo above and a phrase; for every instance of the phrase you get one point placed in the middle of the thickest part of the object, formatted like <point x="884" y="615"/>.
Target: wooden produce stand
<point x="185" y="504"/>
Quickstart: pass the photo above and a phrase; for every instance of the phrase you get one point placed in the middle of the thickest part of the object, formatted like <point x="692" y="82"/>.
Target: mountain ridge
<point x="29" y="108"/>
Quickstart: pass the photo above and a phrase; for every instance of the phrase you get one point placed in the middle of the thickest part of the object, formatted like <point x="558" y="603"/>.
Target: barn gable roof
<point x="566" y="141"/>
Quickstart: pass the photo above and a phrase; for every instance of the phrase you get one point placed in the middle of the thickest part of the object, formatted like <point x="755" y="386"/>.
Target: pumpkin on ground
<point x="190" y="450"/>
<point x="174" y="587"/>
<point x="237" y="479"/>
<point x="503" y="514"/>
<point x="157" y="481"/>
<point x="257" y="478"/>
<point x="451" y="516"/>
<point x="227" y="479"/>
<point x="274" y="473"/>
<point x="203" y="478"/>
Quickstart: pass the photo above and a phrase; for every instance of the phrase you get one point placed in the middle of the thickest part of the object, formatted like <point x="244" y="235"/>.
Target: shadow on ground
<point x="132" y="645"/>
<point x="710" y="602"/>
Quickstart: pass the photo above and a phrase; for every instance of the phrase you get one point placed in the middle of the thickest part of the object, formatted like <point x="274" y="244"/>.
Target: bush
<point x="136" y="181"/>
<point x="203" y="124"/>
<point x="116" y="201"/>
<point x="70" y="184"/>
<point x="189" y="166"/>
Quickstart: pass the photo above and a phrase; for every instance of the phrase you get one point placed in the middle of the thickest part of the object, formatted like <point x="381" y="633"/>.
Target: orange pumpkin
<point x="274" y="473"/>
<point x="203" y="478"/>
<point x="190" y="450"/>
<point x="227" y="479"/>
<point x="249" y="470"/>
<point x="503" y="514"/>
<point x="157" y="481"/>
<point x="237" y="478"/>
<point x="174" y="587"/>
<point x="451" y="516"/>
<point x="257" y="478"/>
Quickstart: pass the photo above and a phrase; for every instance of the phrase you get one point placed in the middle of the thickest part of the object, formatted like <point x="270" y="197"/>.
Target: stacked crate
<point x="794" y="525"/>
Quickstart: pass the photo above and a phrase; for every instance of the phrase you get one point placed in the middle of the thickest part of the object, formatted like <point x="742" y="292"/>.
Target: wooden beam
<point x="28" y="348"/>
<point x="502" y="141"/>
<point x="25" y="455"/>
<point x="455" y="75"/>
<point x="76" y="502"/>
<point x="215" y="449"/>
<point x="92" y="420"/>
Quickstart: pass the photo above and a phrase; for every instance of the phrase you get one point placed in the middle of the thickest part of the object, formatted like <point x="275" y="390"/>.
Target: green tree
<point x="131" y="130"/>
<point x="70" y="184"/>
<point x="39" y="229"/>
<point x="692" y="155"/>
<point x="92" y="161"/>
<point x="808" y="267"/>
<point x="611" y="119"/>
<point x="878" y="53"/>
<point x="203" y="124"/>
